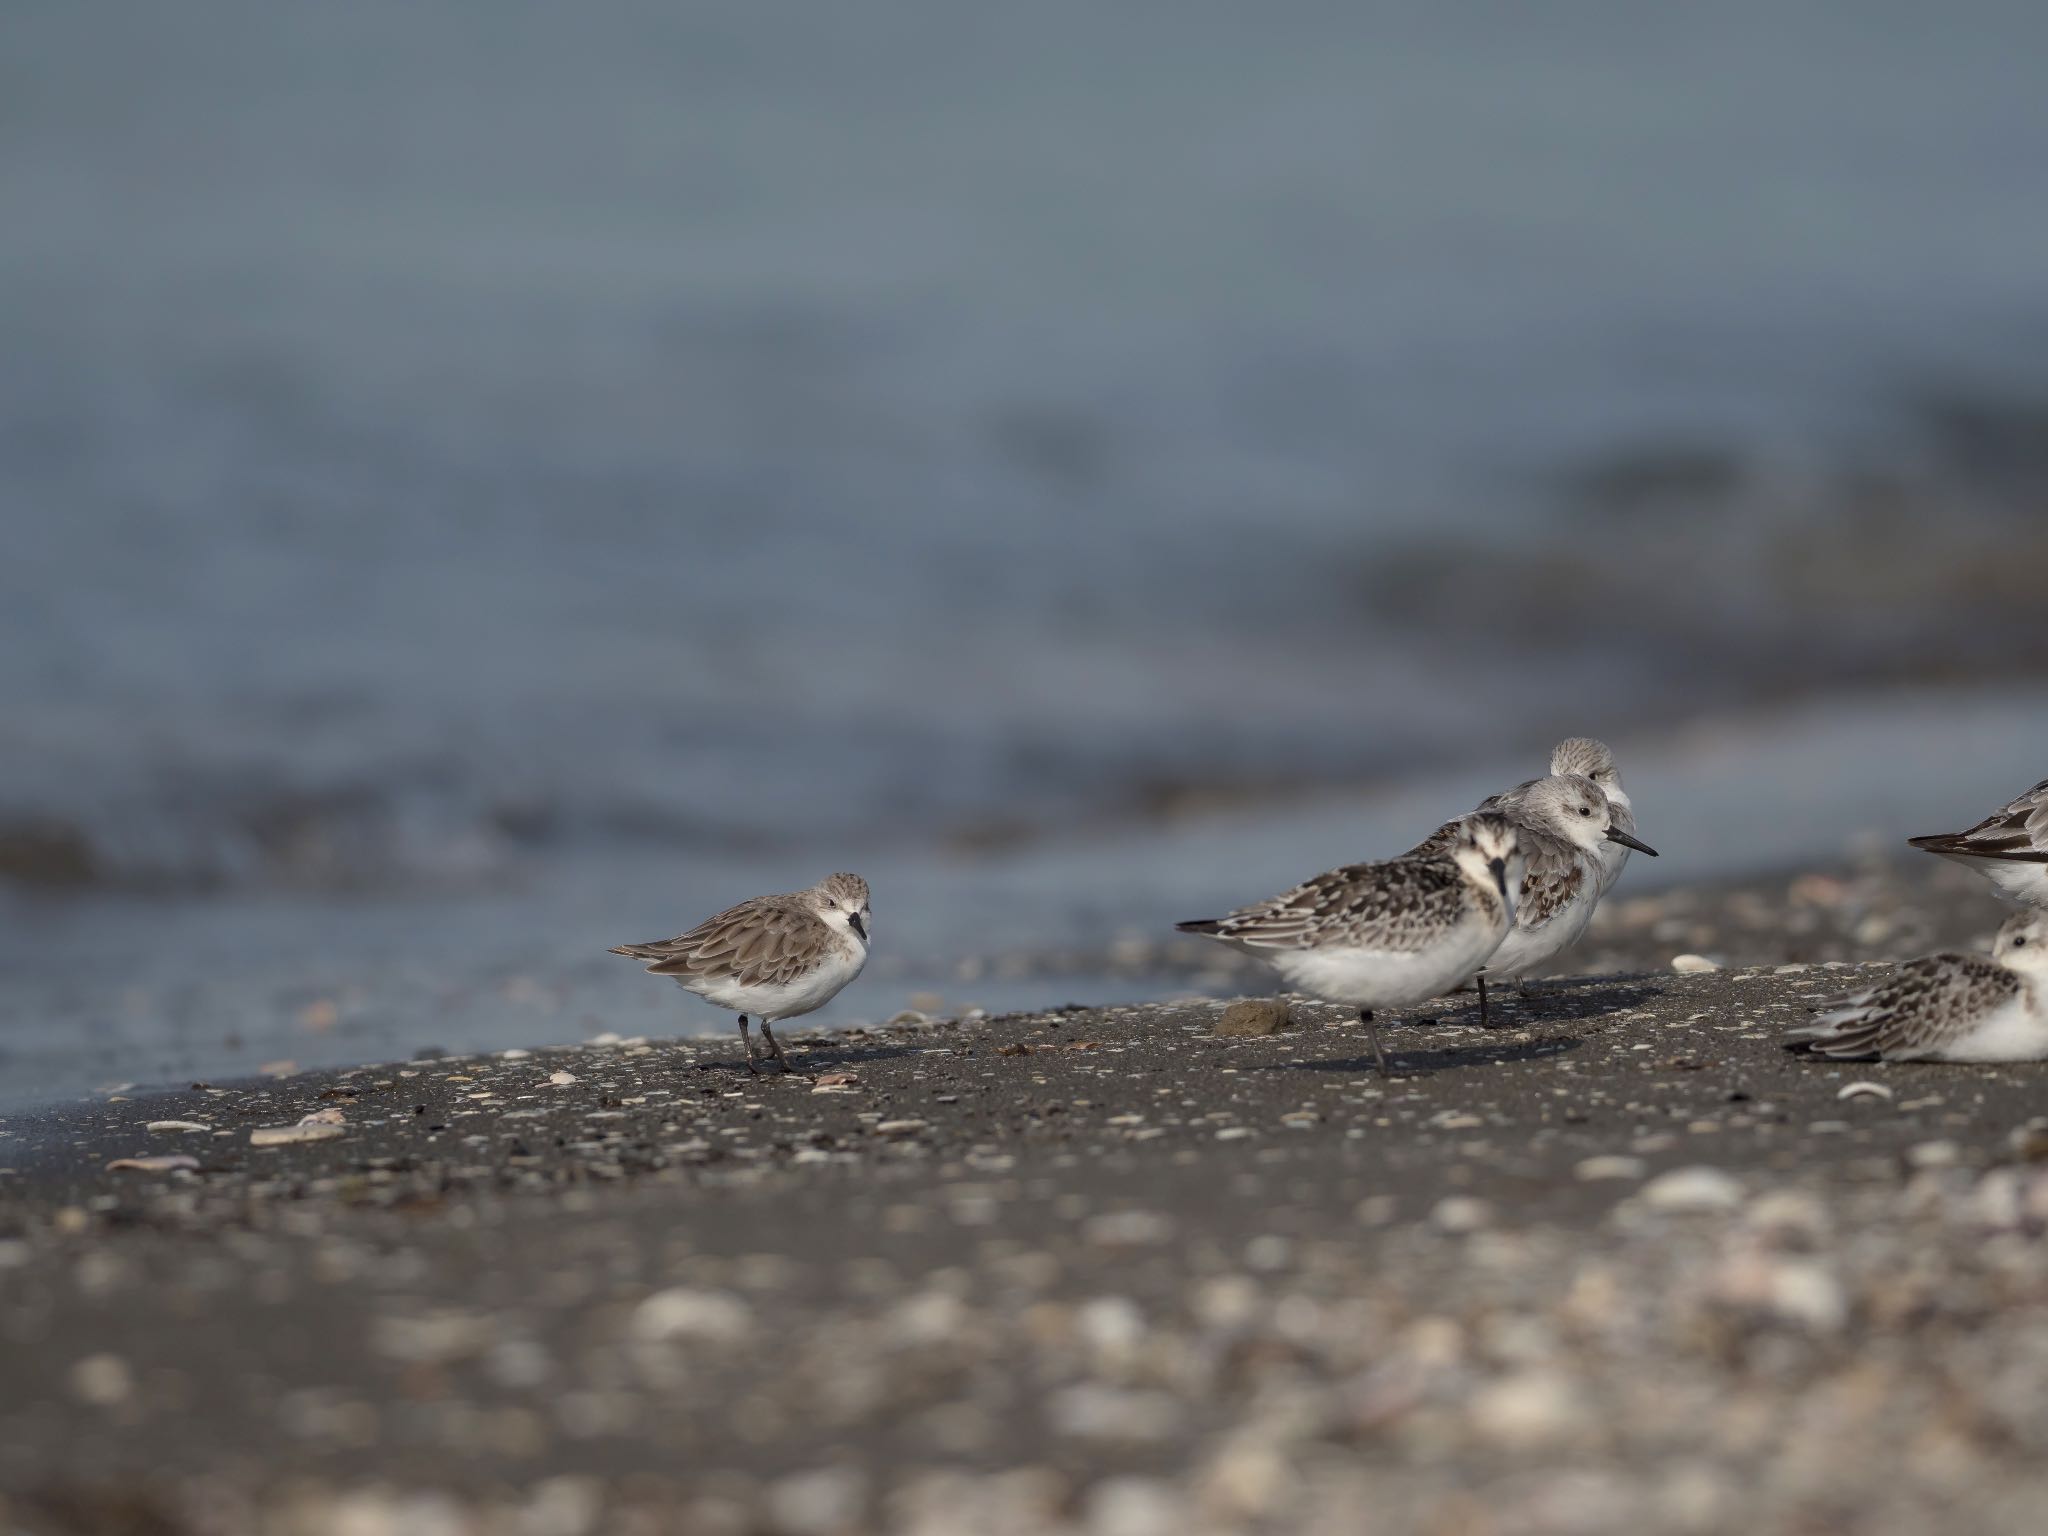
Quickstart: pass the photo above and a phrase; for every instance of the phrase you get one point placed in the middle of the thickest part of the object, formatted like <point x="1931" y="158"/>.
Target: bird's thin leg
<point x="1481" y="979"/>
<point x="1379" y="1054"/>
<point x="748" y="1041"/>
<point x="775" y="1047"/>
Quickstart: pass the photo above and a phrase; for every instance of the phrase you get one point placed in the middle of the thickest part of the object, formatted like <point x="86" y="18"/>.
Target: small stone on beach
<point x="160" y="1163"/>
<point x="321" y="1125"/>
<point x="1254" y="1016"/>
<point x="1593" y="1169"/>
<point x="1691" y="1190"/>
<point x="689" y="1314"/>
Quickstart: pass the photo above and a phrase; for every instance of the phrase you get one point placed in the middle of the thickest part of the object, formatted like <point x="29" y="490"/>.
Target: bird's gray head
<point x="842" y="901"/>
<point x="2022" y="942"/>
<point x="1589" y="759"/>
<point x="1571" y="806"/>
<point x="1489" y="851"/>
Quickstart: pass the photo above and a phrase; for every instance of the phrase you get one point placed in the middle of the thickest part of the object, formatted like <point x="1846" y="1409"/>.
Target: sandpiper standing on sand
<point x="1387" y="934"/>
<point x="774" y="957"/>
<point x="1563" y="822"/>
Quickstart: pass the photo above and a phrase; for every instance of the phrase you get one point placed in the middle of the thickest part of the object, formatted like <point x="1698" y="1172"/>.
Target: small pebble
<point x="691" y="1314"/>
<point x="2029" y="1142"/>
<point x="1933" y="1154"/>
<point x="1461" y="1213"/>
<point x="160" y="1163"/>
<point x="1695" y="1189"/>
<point x="1254" y="1016"/>
<point x="1535" y="1410"/>
<point x="1692" y="965"/>
<point x="104" y="1381"/>
<point x="321" y="1125"/>
<point x="1614" y="1167"/>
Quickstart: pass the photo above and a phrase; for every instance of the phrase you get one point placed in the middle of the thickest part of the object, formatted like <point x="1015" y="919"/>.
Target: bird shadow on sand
<point x="1575" y="998"/>
<point x="809" y="1060"/>
<point x="1409" y="1060"/>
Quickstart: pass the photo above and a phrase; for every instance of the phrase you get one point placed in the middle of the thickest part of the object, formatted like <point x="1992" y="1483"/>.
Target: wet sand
<point x="1618" y="1263"/>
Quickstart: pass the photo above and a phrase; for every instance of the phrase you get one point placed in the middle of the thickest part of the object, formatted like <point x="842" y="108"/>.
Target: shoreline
<point x="1625" y="1264"/>
<point x="1874" y="907"/>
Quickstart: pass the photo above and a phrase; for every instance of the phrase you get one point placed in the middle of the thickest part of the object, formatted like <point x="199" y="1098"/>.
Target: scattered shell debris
<point x="320" y="1125"/>
<point x="155" y="1163"/>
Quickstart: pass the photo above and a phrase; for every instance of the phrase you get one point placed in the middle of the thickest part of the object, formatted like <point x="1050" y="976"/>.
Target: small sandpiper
<point x="774" y="957"/>
<point x="1387" y="934"/>
<point x="1947" y="1007"/>
<point x="1590" y="759"/>
<point x="2009" y="847"/>
<point x="1563" y="822"/>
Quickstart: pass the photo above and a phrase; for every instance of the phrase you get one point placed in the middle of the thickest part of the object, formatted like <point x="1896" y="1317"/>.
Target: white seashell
<point x="683" y="1313"/>
<point x="1592" y="1169"/>
<point x="1864" y="1090"/>
<point x="321" y="1125"/>
<point x="177" y="1125"/>
<point x="1692" y="1189"/>
<point x="162" y="1163"/>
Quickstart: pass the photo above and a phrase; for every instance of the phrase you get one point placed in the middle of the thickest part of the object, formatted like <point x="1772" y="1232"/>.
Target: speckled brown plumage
<point x="1923" y="1003"/>
<point x="765" y="941"/>
<point x="1399" y="905"/>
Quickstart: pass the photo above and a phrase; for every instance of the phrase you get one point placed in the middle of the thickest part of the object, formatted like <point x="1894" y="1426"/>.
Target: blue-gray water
<point x="471" y="470"/>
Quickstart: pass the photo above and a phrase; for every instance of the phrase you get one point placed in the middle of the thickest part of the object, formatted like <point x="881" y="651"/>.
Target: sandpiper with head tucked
<point x="774" y="957"/>
<point x="1387" y="934"/>
<point x="1947" y="1007"/>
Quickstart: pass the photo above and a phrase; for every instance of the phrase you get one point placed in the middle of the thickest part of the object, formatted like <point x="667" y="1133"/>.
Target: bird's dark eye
<point x="1585" y="810"/>
<point x="2019" y="943"/>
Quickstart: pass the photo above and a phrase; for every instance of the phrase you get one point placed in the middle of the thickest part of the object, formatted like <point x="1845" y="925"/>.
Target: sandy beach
<point x="1618" y="1263"/>
<point x="487" y="485"/>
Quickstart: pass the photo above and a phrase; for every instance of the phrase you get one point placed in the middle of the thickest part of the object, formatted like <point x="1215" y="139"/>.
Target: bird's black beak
<point x="1500" y="873"/>
<point x="1616" y="835"/>
<point x="853" y="921"/>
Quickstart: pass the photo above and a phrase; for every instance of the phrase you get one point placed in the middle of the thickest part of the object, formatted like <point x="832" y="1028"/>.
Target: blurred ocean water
<point x="446" y="450"/>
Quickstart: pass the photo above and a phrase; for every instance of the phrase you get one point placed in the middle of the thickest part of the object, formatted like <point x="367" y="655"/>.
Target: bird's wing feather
<point x="1556" y="875"/>
<point x="1921" y="1004"/>
<point x="763" y="942"/>
<point x="1507" y="803"/>
<point x="2018" y="830"/>
<point x="1397" y="904"/>
<point x="1508" y="799"/>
